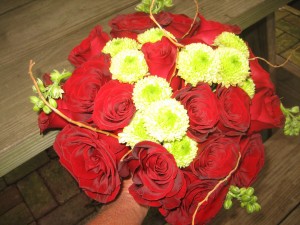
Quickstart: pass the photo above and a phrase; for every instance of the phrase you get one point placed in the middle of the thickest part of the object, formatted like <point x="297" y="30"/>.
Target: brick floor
<point x="70" y="213"/>
<point x="36" y="195"/>
<point x="9" y="198"/>
<point x="18" y="215"/>
<point x="59" y="181"/>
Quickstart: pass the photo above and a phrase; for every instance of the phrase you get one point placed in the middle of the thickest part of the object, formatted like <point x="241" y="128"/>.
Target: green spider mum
<point x="227" y="39"/>
<point x="249" y="87"/>
<point x="135" y="132"/>
<point x="150" y="89"/>
<point x="234" y="66"/>
<point x="166" y="120"/>
<point x="117" y="45"/>
<point x="198" y="63"/>
<point x="128" y="66"/>
<point x="184" y="150"/>
<point x="152" y="35"/>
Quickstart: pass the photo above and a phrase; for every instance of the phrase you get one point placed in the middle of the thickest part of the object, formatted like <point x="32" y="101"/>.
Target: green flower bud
<point x="227" y="204"/>
<point x="243" y="190"/>
<point x="250" y="208"/>
<point x="46" y="109"/>
<point x="41" y="85"/>
<point x="34" y="99"/>
<point x="56" y="92"/>
<point x="243" y="204"/>
<point x="253" y="199"/>
<point x="249" y="191"/>
<point x="294" y="109"/>
<point x="234" y="189"/>
<point x="40" y="104"/>
<point x="36" y="108"/>
<point x="257" y="207"/>
<point x="245" y="198"/>
<point x="52" y="102"/>
<point x="55" y="76"/>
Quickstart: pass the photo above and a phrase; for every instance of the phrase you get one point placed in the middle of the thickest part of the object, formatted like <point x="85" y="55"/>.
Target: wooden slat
<point x="46" y="31"/>
<point x="277" y="187"/>
<point x="293" y="217"/>
<point x="8" y="5"/>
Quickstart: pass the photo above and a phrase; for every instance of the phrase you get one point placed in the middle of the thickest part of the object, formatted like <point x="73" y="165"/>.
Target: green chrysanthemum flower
<point x="184" y="150"/>
<point x="135" y="132"/>
<point x="198" y="62"/>
<point x="249" y="87"/>
<point x="150" y="89"/>
<point x="117" y="45"/>
<point x="152" y="35"/>
<point x="227" y="39"/>
<point x="234" y="66"/>
<point x="166" y="120"/>
<point x="128" y="66"/>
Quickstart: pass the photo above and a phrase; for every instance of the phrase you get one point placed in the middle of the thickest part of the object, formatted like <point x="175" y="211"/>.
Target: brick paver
<point x="70" y="213"/>
<point x="2" y="184"/>
<point x="19" y="215"/>
<point x="59" y="181"/>
<point x="9" y="198"/>
<point x="36" y="195"/>
<point x="26" y="168"/>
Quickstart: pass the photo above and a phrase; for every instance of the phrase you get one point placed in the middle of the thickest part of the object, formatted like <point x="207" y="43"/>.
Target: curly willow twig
<point x="77" y="123"/>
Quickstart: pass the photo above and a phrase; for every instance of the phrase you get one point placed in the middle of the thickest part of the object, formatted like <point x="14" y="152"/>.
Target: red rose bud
<point x="217" y="158"/>
<point x="82" y="87"/>
<point x="160" y="57"/>
<point x="157" y="181"/>
<point x="196" y="192"/>
<point x="234" y="111"/>
<point x="252" y="161"/>
<point x="114" y="107"/>
<point x="203" y="110"/>
<point x="90" y="47"/>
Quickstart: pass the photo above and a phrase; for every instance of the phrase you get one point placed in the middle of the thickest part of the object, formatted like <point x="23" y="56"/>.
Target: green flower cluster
<point x="226" y="64"/>
<point x="159" y="118"/>
<point x="158" y="6"/>
<point x="246" y="197"/>
<point x="50" y="92"/>
<point x="292" y="120"/>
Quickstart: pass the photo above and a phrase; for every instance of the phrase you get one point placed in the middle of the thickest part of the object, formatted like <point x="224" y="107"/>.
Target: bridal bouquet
<point x="176" y="104"/>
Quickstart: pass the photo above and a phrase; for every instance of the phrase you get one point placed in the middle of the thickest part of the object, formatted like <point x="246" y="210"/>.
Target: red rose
<point x="260" y="77"/>
<point x="196" y="192"/>
<point x="180" y="25"/>
<point x="82" y="87"/>
<point x="202" y="106"/>
<point x="160" y="57"/>
<point x="131" y="25"/>
<point x="209" y="30"/>
<point x="91" y="158"/>
<point x="265" y="111"/>
<point x="89" y="47"/>
<point x="234" y="110"/>
<point x="252" y="161"/>
<point x="54" y="121"/>
<point x="217" y="158"/>
<point x="114" y="106"/>
<point x="157" y="181"/>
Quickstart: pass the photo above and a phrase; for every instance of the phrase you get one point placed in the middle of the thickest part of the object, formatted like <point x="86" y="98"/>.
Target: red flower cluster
<point x="225" y="123"/>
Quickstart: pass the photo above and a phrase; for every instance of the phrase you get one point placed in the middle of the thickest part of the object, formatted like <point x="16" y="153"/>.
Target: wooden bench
<point x="46" y="31"/>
